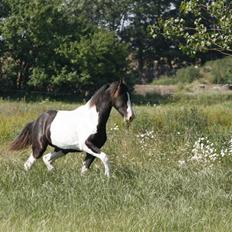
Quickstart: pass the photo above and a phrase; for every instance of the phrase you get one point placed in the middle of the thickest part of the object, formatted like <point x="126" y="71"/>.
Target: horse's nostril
<point x="131" y="118"/>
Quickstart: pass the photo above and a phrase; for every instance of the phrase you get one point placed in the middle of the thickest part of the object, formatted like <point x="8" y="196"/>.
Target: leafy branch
<point x="200" y="27"/>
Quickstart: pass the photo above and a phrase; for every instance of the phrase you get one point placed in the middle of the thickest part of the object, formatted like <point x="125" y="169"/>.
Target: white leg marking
<point x="30" y="161"/>
<point x="83" y="169"/>
<point x="129" y="108"/>
<point x="50" y="157"/>
<point x="102" y="156"/>
<point x="106" y="164"/>
<point x="47" y="161"/>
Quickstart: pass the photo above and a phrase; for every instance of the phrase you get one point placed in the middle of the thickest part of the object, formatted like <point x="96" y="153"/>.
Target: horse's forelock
<point x="117" y="87"/>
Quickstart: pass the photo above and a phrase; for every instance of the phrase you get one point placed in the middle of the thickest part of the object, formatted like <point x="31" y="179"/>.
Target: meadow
<point x="171" y="171"/>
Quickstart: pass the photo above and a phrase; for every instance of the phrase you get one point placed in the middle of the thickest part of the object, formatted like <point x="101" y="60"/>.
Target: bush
<point x="220" y="71"/>
<point x="188" y="75"/>
<point x="215" y="72"/>
<point x="183" y="75"/>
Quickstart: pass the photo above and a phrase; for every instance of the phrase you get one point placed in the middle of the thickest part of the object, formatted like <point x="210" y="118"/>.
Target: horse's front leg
<point x="87" y="162"/>
<point x="91" y="149"/>
<point x="51" y="157"/>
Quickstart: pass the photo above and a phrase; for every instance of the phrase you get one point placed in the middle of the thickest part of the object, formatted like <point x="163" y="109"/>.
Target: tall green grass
<point x="148" y="190"/>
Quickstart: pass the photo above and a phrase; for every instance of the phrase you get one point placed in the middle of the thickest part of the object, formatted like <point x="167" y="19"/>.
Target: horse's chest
<point x="69" y="130"/>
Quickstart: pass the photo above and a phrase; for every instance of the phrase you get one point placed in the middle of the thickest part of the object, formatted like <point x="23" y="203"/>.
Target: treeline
<point x="76" y="45"/>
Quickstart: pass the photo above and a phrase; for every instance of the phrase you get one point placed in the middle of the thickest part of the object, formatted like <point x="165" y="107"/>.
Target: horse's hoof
<point x="26" y="167"/>
<point x="83" y="170"/>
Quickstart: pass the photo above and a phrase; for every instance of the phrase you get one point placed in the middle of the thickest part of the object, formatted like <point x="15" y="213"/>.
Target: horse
<point x="80" y="130"/>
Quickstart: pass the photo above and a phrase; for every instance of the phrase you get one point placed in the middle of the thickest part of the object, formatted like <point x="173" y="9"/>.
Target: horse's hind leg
<point x="87" y="162"/>
<point x="30" y="161"/>
<point x="38" y="148"/>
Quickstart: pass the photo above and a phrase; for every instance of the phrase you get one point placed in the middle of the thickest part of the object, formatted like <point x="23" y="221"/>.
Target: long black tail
<point x="24" y="139"/>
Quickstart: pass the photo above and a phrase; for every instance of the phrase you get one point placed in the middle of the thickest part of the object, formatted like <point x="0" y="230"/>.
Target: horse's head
<point x="121" y="100"/>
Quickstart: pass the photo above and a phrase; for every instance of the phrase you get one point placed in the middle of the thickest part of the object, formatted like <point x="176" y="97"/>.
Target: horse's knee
<point x="92" y="147"/>
<point x="38" y="149"/>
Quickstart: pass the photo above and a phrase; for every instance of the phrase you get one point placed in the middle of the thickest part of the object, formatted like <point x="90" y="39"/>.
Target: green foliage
<point x="214" y="72"/>
<point x="183" y="75"/>
<point x="53" y="46"/>
<point x="39" y="78"/>
<point x="188" y="75"/>
<point x="98" y="55"/>
<point x="8" y="73"/>
<point x="219" y="75"/>
<point x="137" y="34"/>
<point x="201" y="26"/>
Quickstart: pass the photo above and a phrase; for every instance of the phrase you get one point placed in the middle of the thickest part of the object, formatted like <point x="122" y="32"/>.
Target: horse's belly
<point x="64" y="138"/>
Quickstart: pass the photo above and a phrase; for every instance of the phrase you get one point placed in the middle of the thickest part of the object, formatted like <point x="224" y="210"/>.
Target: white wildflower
<point x="144" y="138"/>
<point x="203" y="151"/>
<point x="115" y="127"/>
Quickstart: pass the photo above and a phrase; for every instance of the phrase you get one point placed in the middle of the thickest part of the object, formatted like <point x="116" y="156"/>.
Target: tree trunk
<point x="141" y="66"/>
<point x="22" y="75"/>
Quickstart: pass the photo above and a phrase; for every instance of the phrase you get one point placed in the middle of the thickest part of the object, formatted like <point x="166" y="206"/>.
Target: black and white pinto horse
<point x="82" y="129"/>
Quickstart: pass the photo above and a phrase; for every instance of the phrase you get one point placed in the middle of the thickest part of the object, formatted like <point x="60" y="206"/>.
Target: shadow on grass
<point x="185" y="98"/>
<point x="148" y="99"/>
<point x="34" y="96"/>
<point x="124" y="173"/>
<point x="152" y="99"/>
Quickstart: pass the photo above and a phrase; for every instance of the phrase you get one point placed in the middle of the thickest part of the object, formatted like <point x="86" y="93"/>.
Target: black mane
<point x="105" y="93"/>
<point x="97" y="97"/>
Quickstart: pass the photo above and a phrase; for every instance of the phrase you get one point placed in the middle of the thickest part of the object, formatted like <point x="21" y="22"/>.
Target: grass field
<point x="171" y="171"/>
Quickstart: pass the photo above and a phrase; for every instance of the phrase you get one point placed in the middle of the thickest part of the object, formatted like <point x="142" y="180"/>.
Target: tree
<point x="95" y="59"/>
<point x="136" y="33"/>
<point x="28" y="33"/>
<point x="201" y="26"/>
<point x="55" y="46"/>
<point x="131" y="20"/>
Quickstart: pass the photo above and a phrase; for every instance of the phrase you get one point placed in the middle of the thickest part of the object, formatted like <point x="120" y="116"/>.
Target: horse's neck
<point x="104" y="114"/>
<point x="103" y="109"/>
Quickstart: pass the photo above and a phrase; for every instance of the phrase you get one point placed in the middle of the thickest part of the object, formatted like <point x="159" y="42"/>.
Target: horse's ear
<point x="122" y="81"/>
<point x="118" y="87"/>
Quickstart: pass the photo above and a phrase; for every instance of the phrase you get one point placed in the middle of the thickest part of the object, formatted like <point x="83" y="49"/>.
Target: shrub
<point x="220" y="70"/>
<point x="188" y="75"/>
<point x="183" y="75"/>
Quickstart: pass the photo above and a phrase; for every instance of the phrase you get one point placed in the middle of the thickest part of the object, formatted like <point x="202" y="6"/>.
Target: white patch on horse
<point x="70" y="129"/>
<point x="30" y="161"/>
<point x="129" y="108"/>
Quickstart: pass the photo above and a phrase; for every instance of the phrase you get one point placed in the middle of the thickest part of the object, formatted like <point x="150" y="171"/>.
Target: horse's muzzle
<point x="130" y="118"/>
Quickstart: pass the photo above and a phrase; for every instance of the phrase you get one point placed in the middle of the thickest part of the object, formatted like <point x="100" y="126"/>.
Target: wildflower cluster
<point x="145" y="138"/>
<point x="227" y="151"/>
<point x="204" y="152"/>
